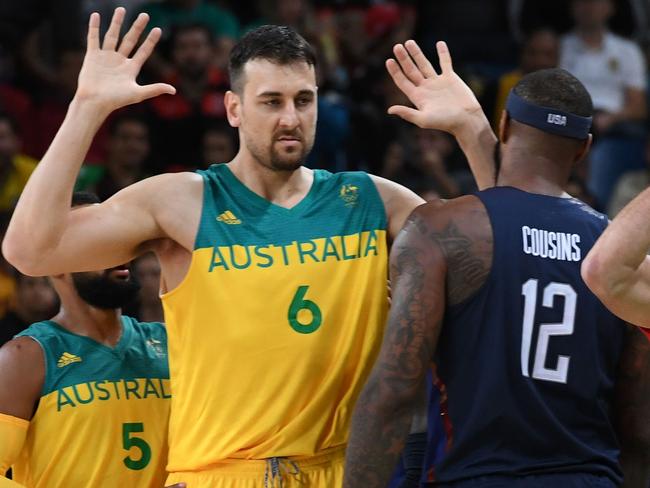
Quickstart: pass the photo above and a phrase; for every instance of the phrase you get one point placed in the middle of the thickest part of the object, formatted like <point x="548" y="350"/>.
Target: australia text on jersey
<point x="318" y="250"/>
<point x="102" y="390"/>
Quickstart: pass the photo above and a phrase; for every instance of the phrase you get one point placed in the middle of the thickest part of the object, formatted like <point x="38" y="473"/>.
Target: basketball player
<point x="273" y="274"/>
<point x="84" y="397"/>
<point x="490" y="285"/>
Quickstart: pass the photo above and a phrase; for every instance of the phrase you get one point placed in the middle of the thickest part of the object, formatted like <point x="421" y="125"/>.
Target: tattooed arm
<point x="432" y="247"/>
<point x="632" y="411"/>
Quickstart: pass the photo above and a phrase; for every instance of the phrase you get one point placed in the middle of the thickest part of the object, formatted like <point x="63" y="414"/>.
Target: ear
<point x="504" y="127"/>
<point x="584" y="150"/>
<point x="232" y="101"/>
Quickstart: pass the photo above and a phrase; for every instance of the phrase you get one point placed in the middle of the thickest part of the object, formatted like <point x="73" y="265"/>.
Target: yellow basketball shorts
<point x="321" y="471"/>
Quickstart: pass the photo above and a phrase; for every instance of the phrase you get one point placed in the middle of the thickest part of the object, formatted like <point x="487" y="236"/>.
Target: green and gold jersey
<point x="276" y="325"/>
<point x="103" y="414"/>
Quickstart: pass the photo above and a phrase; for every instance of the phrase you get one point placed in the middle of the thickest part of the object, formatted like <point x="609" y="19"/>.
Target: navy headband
<point x="547" y="119"/>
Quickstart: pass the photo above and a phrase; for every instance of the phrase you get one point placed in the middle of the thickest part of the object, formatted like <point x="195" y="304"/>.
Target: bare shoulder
<point x="398" y="200"/>
<point x="22" y="374"/>
<point x="393" y="193"/>
<point x="461" y="229"/>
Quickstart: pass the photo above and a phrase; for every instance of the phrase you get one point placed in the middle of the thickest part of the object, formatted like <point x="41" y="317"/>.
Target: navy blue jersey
<point x="529" y="361"/>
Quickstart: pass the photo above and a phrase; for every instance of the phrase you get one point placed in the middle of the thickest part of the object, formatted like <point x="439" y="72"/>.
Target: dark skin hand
<point x="442" y="256"/>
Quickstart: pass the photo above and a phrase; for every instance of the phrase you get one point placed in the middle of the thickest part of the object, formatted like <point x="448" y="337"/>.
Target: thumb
<point x="409" y="114"/>
<point x="155" y="89"/>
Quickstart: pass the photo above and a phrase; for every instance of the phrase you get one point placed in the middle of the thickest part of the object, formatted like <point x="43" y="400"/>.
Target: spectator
<point x="169" y="14"/>
<point x="51" y="106"/>
<point x="128" y="150"/>
<point x="613" y="70"/>
<point x="15" y="168"/>
<point x="540" y="50"/>
<point x="219" y="144"/>
<point x="417" y="159"/>
<point x="35" y="301"/>
<point x="199" y="98"/>
<point x="629" y="186"/>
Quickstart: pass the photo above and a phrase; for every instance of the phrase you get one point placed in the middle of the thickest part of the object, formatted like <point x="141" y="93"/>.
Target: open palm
<point x="442" y="101"/>
<point x="108" y="75"/>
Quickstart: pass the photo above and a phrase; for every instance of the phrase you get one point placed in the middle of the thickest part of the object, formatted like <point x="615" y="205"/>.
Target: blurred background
<point x="605" y="43"/>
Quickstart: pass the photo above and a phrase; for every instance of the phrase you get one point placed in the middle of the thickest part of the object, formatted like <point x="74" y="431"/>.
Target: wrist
<point x="92" y="113"/>
<point x="475" y="126"/>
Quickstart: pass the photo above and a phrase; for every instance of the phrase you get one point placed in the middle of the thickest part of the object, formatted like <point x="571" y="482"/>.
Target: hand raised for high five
<point x="442" y="101"/>
<point x="107" y="78"/>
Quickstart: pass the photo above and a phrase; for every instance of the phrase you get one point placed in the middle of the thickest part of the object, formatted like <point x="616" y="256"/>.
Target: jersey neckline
<point x="263" y="203"/>
<point x="118" y="350"/>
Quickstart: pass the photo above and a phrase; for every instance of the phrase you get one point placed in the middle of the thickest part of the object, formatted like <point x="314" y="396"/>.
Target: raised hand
<point x="442" y="101"/>
<point x="108" y="76"/>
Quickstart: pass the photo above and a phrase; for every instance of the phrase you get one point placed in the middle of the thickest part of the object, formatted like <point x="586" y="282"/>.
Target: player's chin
<point x="288" y="162"/>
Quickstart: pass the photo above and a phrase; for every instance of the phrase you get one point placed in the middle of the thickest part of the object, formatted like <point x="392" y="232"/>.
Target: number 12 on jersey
<point x="540" y="371"/>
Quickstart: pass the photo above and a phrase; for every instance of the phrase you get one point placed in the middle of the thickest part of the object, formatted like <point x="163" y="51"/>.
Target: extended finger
<point x="444" y="56"/>
<point x="93" y="31"/>
<point x="408" y="66"/>
<point x="151" y="91"/>
<point x="113" y="32"/>
<point x="147" y="47"/>
<point x="399" y="78"/>
<point x="420" y="59"/>
<point x="407" y="113"/>
<point x="131" y="38"/>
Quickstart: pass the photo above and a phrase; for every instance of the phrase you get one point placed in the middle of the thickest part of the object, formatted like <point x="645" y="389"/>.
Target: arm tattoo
<point x="383" y="414"/>
<point x="468" y="266"/>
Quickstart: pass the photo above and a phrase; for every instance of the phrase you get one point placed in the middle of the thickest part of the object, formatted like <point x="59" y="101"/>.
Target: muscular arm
<point x="22" y="373"/>
<point x="442" y="257"/>
<point x="632" y="409"/>
<point x="45" y="236"/>
<point x="617" y="269"/>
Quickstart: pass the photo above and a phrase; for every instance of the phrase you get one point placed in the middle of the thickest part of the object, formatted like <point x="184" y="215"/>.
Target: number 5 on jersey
<point x="129" y="441"/>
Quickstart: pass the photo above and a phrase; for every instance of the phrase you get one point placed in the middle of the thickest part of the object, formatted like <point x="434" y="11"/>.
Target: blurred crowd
<point x="494" y="42"/>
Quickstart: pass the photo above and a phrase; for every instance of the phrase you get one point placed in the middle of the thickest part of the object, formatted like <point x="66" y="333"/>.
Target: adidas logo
<point x="66" y="359"/>
<point x="228" y="218"/>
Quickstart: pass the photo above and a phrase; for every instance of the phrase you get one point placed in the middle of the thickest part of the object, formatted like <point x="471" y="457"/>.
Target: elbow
<point x="20" y="256"/>
<point x="594" y="276"/>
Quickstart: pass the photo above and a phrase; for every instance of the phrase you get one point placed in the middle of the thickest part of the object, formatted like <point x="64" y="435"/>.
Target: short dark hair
<point x="275" y="43"/>
<point x="556" y="88"/>
<point x="80" y="198"/>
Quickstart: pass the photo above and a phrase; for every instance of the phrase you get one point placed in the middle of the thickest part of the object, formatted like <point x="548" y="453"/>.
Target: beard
<point x="102" y="291"/>
<point x="289" y="159"/>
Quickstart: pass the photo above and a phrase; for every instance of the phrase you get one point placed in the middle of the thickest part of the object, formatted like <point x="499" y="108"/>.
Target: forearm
<point x="478" y="142"/>
<point x="378" y="434"/>
<point x="40" y="216"/>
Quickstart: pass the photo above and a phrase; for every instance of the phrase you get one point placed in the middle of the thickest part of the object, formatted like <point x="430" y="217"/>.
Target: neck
<point x="592" y="36"/>
<point x="534" y="173"/>
<point x="102" y="325"/>
<point x="284" y="188"/>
